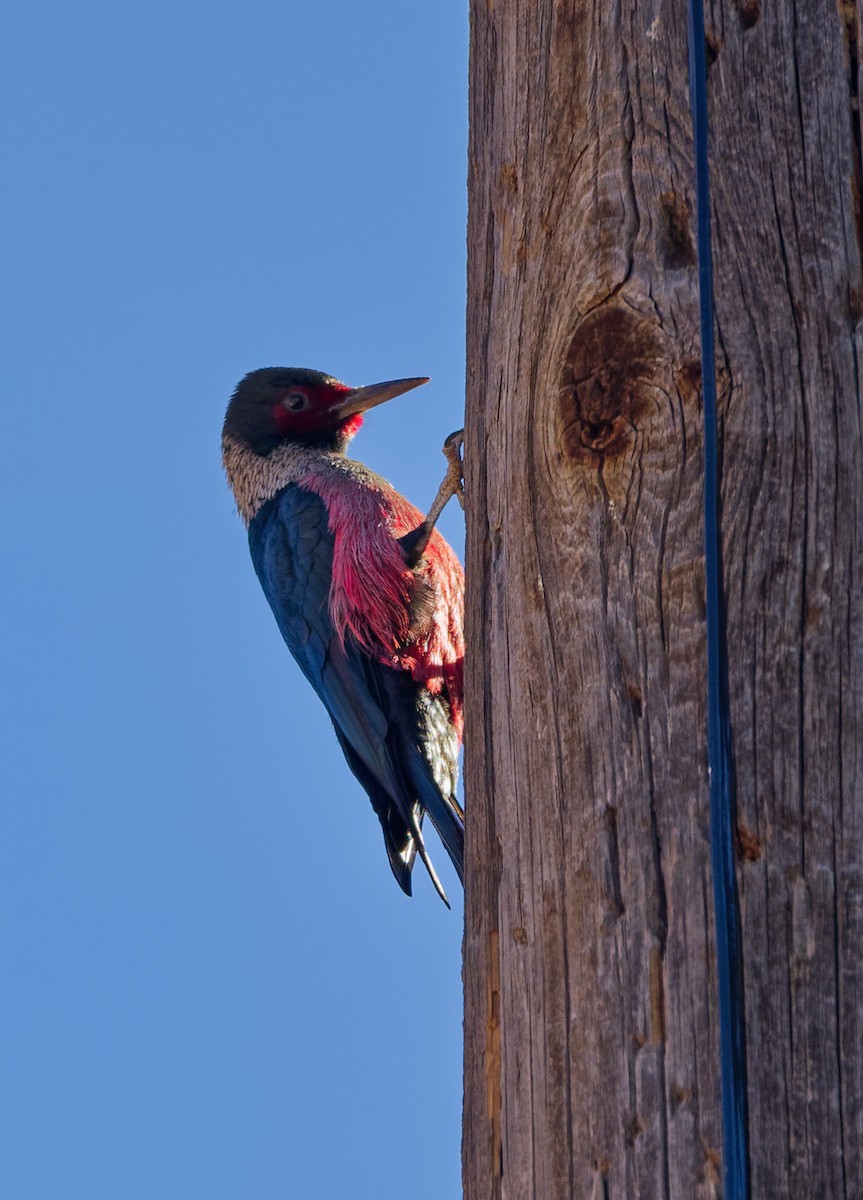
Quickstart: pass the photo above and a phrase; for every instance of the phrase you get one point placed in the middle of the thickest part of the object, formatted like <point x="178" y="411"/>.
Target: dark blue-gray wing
<point x="397" y="738"/>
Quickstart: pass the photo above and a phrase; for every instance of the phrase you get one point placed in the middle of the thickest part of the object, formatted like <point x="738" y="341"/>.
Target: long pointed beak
<point x="363" y="398"/>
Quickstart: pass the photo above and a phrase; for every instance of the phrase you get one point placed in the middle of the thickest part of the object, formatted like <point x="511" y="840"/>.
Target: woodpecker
<point x="366" y="593"/>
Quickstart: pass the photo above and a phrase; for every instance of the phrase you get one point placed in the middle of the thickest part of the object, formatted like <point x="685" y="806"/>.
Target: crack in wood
<point x="851" y="30"/>
<point x="493" y="1054"/>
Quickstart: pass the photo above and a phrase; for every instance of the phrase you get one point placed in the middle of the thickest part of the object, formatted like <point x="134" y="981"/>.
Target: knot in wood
<point x="674" y="241"/>
<point x="749" y="12"/>
<point x="612" y="366"/>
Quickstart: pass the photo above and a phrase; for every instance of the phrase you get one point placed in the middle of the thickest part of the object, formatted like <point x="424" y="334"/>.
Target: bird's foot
<point x="453" y="481"/>
<point x="453" y="449"/>
<point x="415" y="542"/>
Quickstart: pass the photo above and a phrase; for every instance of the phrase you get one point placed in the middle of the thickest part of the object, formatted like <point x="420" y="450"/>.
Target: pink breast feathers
<point x="373" y="590"/>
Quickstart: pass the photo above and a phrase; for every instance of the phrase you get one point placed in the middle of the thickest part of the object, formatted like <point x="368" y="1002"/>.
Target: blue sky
<point x="212" y="986"/>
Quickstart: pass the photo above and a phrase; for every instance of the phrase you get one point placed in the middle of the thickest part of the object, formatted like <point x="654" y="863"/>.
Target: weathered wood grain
<point x="591" y="1065"/>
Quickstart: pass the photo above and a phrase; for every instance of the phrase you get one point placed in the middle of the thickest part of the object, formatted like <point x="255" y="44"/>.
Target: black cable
<point x="732" y="1016"/>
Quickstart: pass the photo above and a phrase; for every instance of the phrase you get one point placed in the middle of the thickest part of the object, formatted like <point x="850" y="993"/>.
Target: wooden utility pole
<point x="591" y="1001"/>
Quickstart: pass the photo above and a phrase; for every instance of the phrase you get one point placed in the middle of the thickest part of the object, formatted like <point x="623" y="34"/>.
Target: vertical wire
<point x="732" y="1017"/>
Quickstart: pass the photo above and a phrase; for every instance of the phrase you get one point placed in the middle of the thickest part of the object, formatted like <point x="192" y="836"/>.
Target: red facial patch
<point x="352" y="425"/>
<point x="318" y="417"/>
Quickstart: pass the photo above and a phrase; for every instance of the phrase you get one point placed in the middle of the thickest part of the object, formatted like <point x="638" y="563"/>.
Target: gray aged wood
<point x="591" y="1010"/>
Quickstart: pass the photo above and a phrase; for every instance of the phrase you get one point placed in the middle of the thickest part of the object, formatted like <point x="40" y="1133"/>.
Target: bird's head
<point x="292" y="404"/>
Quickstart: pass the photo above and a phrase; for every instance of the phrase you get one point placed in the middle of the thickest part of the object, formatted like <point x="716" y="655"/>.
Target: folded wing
<point x="397" y="737"/>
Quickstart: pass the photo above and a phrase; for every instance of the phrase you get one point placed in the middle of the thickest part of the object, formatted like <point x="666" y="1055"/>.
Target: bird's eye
<point x="295" y="401"/>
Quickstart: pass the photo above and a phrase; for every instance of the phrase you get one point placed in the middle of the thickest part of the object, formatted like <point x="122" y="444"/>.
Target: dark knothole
<point x="674" y="242"/>
<point x="749" y="12"/>
<point x="613" y="367"/>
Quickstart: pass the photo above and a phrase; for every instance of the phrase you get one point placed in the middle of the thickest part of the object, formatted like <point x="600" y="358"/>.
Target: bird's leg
<point x="453" y="481"/>
<point x="415" y="542"/>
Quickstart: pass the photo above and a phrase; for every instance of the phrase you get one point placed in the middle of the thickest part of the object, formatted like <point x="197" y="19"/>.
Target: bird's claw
<point x="453" y="453"/>
<point x="415" y="542"/>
